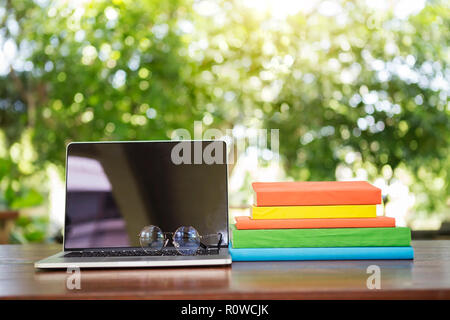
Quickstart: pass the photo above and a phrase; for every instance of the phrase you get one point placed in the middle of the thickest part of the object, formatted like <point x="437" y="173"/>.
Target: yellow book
<point x="315" y="212"/>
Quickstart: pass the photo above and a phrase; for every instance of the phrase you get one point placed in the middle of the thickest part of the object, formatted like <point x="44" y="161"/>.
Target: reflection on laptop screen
<point x="115" y="189"/>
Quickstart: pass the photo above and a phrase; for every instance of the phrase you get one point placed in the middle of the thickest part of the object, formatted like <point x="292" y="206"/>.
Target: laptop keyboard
<point x="133" y="253"/>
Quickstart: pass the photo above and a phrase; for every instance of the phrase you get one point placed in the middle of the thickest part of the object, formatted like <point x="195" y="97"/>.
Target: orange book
<point x="245" y="222"/>
<point x="315" y="193"/>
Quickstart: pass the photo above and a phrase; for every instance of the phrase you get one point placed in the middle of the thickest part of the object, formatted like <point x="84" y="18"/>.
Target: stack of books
<point x="327" y="220"/>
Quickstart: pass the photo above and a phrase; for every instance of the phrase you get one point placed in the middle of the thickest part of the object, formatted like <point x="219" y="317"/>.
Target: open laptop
<point x="115" y="189"/>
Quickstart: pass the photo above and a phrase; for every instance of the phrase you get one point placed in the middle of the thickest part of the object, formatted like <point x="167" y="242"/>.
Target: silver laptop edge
<point x="57" y="261"/>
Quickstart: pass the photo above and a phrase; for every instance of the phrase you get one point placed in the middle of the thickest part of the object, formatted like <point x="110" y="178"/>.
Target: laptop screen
<point x="115" y="189"/>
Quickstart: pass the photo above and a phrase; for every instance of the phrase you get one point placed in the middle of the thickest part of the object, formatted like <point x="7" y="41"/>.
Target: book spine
<point x="314" y="238"/>
<point x="292" y="254"/>
<point x="317" y="198"/>
<point x="245" y="223"/>
<point x="311" y="212"/>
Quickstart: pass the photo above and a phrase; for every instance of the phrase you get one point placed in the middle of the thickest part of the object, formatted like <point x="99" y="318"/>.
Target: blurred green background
<point x="357" y="89"/>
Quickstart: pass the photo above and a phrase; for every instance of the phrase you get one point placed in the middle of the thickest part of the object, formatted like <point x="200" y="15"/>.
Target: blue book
<point x="341" y="253"/>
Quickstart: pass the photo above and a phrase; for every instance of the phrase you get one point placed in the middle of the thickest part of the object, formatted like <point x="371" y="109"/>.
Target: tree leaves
<point x="359" y="90"/>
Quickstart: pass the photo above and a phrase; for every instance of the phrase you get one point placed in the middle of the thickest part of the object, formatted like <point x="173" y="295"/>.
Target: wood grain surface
<point x="427" y="277"/>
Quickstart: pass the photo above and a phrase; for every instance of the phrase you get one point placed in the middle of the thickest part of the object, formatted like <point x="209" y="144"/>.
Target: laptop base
<point x="58" y="261"/>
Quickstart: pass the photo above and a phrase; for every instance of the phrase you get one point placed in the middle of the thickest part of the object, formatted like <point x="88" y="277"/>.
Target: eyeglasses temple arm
<point x="220" y="239"/>
<point x="218" y="244"/>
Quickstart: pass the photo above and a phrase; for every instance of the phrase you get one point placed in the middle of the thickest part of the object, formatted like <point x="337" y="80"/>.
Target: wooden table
<point x="427" y="277"/>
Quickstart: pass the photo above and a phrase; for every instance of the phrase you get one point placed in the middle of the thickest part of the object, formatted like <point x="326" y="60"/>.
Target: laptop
<point x="116" y="189"/>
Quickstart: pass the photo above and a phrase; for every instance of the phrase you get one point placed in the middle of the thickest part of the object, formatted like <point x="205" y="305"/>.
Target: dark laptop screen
<point x="115" y="189"/>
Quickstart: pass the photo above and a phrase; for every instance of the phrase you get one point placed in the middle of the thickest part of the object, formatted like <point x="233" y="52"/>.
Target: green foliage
<point x="16" y="170"/>
<point x="366" y="87"/>
<point x="358" y="90"/>
<point x="18" y="189"/>
<point x="27" y="198"/>
<point x="29" y="229"/>
<point x="95" y="78"/>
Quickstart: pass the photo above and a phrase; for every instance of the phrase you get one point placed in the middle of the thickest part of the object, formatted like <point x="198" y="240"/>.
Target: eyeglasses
<point x="186" y="240"/>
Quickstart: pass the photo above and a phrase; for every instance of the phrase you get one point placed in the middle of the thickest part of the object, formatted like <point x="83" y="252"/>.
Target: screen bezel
<point x="225" y="245"/>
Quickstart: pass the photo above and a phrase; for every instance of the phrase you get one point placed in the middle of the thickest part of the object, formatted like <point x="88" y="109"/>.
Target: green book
<point x="315" y="238"/>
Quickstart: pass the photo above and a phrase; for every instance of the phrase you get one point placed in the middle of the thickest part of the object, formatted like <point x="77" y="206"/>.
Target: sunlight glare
<point x="281" y="8"/>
